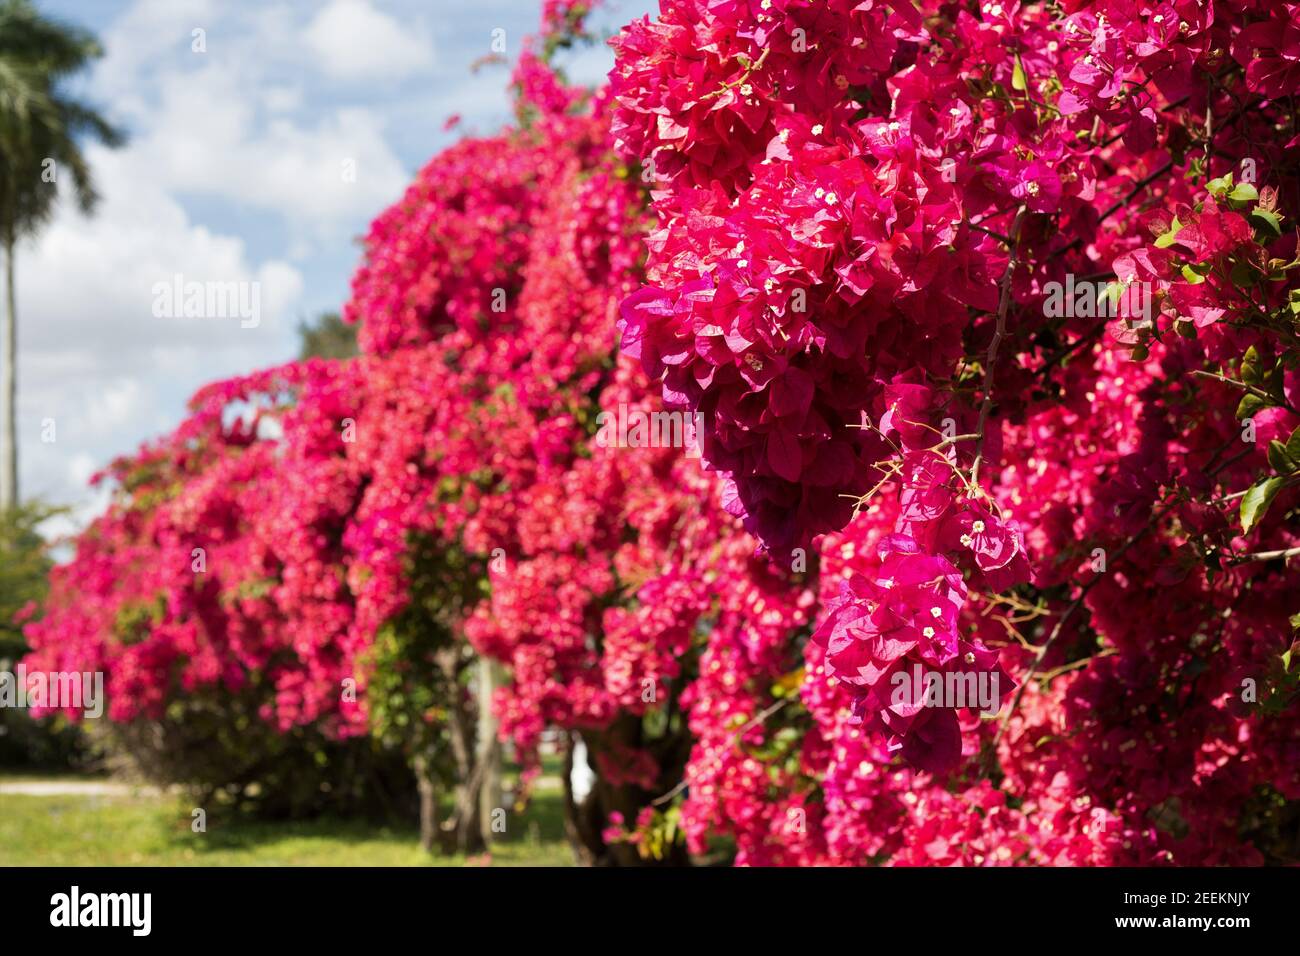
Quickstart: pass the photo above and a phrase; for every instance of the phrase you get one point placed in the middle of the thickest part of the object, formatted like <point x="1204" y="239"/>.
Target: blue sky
<point x="234" y="173"/>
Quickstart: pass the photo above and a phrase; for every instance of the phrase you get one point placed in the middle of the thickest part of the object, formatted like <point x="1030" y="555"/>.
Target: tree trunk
<point x="585" y="820"/>
<point x="488" y="757"/>
<point x="583" y="839"/>
<point x="9" y="390"/>
<point x="469" y="781"/>
<point x="465" y="821"/>
<point x="424" y="780"/>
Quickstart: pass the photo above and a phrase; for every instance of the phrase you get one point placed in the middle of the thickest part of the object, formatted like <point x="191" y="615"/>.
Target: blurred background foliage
<point x="25" y="562"/>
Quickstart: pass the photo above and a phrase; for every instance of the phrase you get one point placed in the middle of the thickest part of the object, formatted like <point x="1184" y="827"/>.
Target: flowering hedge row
<point x="862" y="211"/>
<point x="926" y="465"/>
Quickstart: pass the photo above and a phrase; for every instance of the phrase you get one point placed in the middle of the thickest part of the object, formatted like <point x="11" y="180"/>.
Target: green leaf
<point x="1112" y="293"/>
<point x="1018" y="79"/>
<point x="1249" y="405"/>
<point x="787" y="684"/>
<point x="1270" y="220"/>
<point x="1275" y="383"/>
<point x="1293" y="445"/>
<point x="1244" y="192"/>
<point x="1242" y="274"/>
<point x="1277" y="457"/>
<point x="1220" y="186"/>
<point x="1192" y="276"/>
<point x="1170" y="237"/>
<point x="1255" y="505"/>
<point x="1250" y="373"/>
<point x="1289" y="654"/>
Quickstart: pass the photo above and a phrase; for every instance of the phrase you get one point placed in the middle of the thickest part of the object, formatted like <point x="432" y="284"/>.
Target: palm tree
<point x="39" y="131"/>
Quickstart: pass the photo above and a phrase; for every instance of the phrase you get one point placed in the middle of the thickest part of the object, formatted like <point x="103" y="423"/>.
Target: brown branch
<point x="1267" y="555"/>
<point x="1004" y="305"/>
<point x="1115" y="207"/>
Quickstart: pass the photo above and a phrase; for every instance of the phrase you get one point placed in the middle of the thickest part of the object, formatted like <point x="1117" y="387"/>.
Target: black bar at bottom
<point x="334" y="906"/>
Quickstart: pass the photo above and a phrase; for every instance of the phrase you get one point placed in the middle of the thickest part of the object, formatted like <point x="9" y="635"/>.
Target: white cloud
<point x="87" y="284"/>
<point x="327" y="175"/>
<point x="119" y="403"/>
<point x="354" y="41"/>
<point x="282" y="99"/>
<point x="250" y="121"/>
<point x="141" y="36"/>
<point x="94" y="358"/>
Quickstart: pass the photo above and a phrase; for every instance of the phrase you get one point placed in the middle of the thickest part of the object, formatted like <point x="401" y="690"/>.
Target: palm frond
<point x="39" y="124"/>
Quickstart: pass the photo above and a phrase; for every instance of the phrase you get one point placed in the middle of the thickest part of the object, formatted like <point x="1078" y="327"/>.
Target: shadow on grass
<point x="535" y="837"/>
<point x="234" y="833"/>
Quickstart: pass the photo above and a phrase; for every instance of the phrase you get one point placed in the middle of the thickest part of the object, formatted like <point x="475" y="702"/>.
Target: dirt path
<point x="72" y="788"/>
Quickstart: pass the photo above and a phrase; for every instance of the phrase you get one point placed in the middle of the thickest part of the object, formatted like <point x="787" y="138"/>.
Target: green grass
<point x="155" y="831"/>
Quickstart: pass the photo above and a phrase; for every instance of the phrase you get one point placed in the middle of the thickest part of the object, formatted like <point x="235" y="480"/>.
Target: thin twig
<point x="750" y="70"/>
<point x="1056" y="672"/>
<point x="1257" y="392"/>
<point x="1004" y="305"/>
<point x="1288" y="483"/>
<point x="1267" y="555"/>
<point x="1141" y="184"/>
<point x="1006" y="240"/>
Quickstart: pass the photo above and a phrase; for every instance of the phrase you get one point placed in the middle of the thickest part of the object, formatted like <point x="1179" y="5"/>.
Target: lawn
<point x="153" y="830"/>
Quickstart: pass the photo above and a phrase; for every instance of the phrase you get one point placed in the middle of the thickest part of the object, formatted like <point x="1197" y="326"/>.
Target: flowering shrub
<point x="989" y="315"/>
<point x="862" y="210"/>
